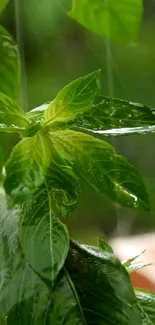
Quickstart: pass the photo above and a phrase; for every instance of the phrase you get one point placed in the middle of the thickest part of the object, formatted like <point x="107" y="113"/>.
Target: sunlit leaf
<point x="115" y="117"/>
<point x="110" y="174"/>
<point x="10" y="113"/>
<point x="3" y="4"/>
<point x="44" y="239"/>
<point x="9" y="64"/>
<point x="27" y="165"/>
<point x="146" y="302"/>
<point x="72" y="100"/>
<point x="103" y="286"/>
<point x="118" y="20"/>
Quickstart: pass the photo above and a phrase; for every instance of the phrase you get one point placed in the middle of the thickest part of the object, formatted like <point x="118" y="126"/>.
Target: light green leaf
<point x="118" y="20"/>
<point x="115" y="117"/>
<point x="104" y="246"/>
<point x="103" y="286"/>
<point x="27" y="165"/>
<point x="11" y="115"/>
<point x="146" y="303"/>
<point x="3" y="4"/>
<point x="44" y="239"/>
<point x="110" y="174"/>
<point x="74" y="99"/>
<point x="9" y="65"/>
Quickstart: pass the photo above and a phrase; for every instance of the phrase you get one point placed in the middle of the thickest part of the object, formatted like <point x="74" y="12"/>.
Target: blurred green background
<point x="55" y="50"/>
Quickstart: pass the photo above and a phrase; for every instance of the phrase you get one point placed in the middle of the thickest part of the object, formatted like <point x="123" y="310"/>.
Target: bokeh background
<point x="55" y="50"/>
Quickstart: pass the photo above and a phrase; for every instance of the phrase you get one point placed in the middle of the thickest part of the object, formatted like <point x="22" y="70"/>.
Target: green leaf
<point x="115" y="117"/>
<point x="72" y="100"/>
<point x="104" y="246"/>
<point x="44" y="239"/>
<point x="3" y="4"/>
<point x="146" y="302"/>
<point x="11" y="115"/>
<point x="103" y="286"/>
<point x="110" y="174"/>
<point x="27" y="165"/>
<point x="117" y="20"/>
<point x="24" y="298"/>
<point x="10" y="65"/>
<point x="66" y="309"/>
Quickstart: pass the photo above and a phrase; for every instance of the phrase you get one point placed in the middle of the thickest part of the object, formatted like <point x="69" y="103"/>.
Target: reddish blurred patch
<point x="140" y="281"/>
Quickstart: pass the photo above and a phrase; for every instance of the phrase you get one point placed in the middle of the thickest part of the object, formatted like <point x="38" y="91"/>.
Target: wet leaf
<point x="97" y="277"/>
<point x="72" y="100"/>
<point x="10" y="113"/>
<point x="44" y="239"/>
<point x="117" y="20"/>
<point x="146" y="303"/>
<point x="110" y="174"/>
<point x="115" y="117"/>
<point x="27" y="165"/>
<point x="10" y="65"/>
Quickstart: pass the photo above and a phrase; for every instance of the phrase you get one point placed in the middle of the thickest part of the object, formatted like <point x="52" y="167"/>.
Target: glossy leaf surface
<point x="146" y="302"/>
<point x="9" y="64"/>
<point x="27" y="165"/>
<point x="44" y="239"/>
<point x="10" y="113"/>
<point x="72" y="100"/>
<point x="108" y="173"/>
<point x="97" y="276"/>
<point x="118" y="20"/>
<point x="112" y="117"/>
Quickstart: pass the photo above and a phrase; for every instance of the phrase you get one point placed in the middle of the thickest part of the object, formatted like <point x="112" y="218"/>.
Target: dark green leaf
<point x="66" y="309"/>
<point x="103" y="286"/>
<point x="44" y="239"/>
<point x="3" y="4"/>
<point x="108" y="173"/>
<point x="74" y="99"/>
<point x="118" y="20"/>
<point x="115" y="117"/>
<point x="9" y="64"/>
<point x="27" y="165"/>
<point x="146" y="302"/>
<point x="11" y="115"/>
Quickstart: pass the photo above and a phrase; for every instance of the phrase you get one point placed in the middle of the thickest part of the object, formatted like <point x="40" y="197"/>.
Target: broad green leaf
<point x="115" y="117"/>
<point x="27" y="165"/>
<point x="44" y="239"/>
<point x="117" y="20"/>
<point x="37" y="113"/>
<point x="9" y="65"/>
<point x="3" y="4"/>
<point x="146" y="302"/>
<point x="11" y="115"/>
<point x="110" y="174"/>
<point x="24" y="298"/>
<point x="73" y="100"/>
<point x="103" y="286"/>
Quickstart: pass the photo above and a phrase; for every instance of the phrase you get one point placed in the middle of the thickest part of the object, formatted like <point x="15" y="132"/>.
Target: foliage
<point x="118" y="20"/>
<point x="46" y="277"/>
